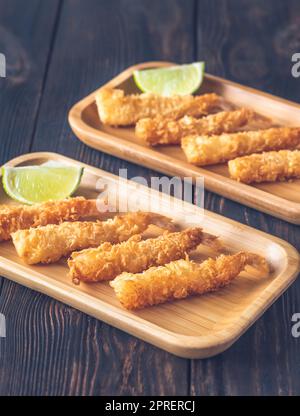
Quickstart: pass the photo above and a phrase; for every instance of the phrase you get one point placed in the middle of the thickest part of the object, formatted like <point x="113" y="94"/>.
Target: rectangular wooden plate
<point x="281" y="199"/>
<point x="194" y="328"/>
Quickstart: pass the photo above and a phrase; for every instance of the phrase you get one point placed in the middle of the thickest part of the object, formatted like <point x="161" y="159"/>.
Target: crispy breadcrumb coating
<point x="266" y="167"/>
<point x="208" y="150"/>
<point x="182" y="278"/>
<point x="135" y="255"/>
<point x="161" y="130"/>
<point x="20" y="217"/>
<point x="48" y="244"/>
<point x="116" y="109"/>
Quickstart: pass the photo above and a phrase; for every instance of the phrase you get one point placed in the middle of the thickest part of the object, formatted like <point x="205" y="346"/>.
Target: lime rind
<point x="34" y="184"/>
<point x="175" y="80"/>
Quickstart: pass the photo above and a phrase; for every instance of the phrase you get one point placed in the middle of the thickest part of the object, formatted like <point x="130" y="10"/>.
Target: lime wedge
<point x="174" y="80"/>
<point x="33" y="184"/>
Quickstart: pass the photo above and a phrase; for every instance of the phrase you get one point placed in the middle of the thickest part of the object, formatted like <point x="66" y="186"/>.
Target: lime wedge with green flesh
<point x="34" y="184"/>
<point x="173" y="80"/>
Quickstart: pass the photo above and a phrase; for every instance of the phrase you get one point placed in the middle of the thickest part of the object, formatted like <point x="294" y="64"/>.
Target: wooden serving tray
<point x="281" y="199"/>
<point x="197" y="327"/>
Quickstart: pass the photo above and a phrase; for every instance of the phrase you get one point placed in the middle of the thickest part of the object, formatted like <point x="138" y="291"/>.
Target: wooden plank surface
<point x="91" y="44"/>
<point x="252" y="43"/>
<point x="27" y="53"/>
<point x="53" y="349"/>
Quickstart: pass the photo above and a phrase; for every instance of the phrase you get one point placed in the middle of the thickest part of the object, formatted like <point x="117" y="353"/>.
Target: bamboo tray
<point x="280" y="199"/>
<point x="197" y="327"/>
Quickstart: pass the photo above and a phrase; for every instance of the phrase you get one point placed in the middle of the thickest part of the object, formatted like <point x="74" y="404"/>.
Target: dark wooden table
<point x="59" y="51"/>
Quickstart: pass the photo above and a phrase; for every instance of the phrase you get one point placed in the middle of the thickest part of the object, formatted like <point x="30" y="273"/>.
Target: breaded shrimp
<point x="266" y="167"/>
<point x="135" y="255"/>
<point x="48" y="244"/>
<point x="20" y="217"/>
<point x="182" y="278"/>
<point x="208" y="150"/>
<point x="161" y="130"/>
<point x="116" y="109"/>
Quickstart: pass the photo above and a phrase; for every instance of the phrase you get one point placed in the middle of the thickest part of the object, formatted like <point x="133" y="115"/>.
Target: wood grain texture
<point x="45" y="352"/>
<point x="26" y="53"/>
<point x="106" y="40"/>
<point x="92" y="43"/>
<point x="52" y="349"/>
<point x="252" y="43"/>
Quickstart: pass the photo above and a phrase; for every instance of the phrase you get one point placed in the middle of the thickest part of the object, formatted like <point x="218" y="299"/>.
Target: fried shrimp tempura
<point x="160" y="130"/>
<point x="116" y="109"/>
<point x="208" y="150"/>
<point x="20" y="217"/>
<point x="266" y="167"/>
<point x="135" y="255"/>
<point x="182" y="278"/>
<point x="48" y="244"/>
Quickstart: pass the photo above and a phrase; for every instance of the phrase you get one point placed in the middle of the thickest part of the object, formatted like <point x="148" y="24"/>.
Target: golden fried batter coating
<point x="182" y="278"/>
<point x="161" y="130"/>
<point x="135" y="255"/>
<point x="20" y="217"/>
<point x="48" y="244"/>
<point x="208" y="150"/>
<point x="116" y="109"/>
<point x="266" y="167"/>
